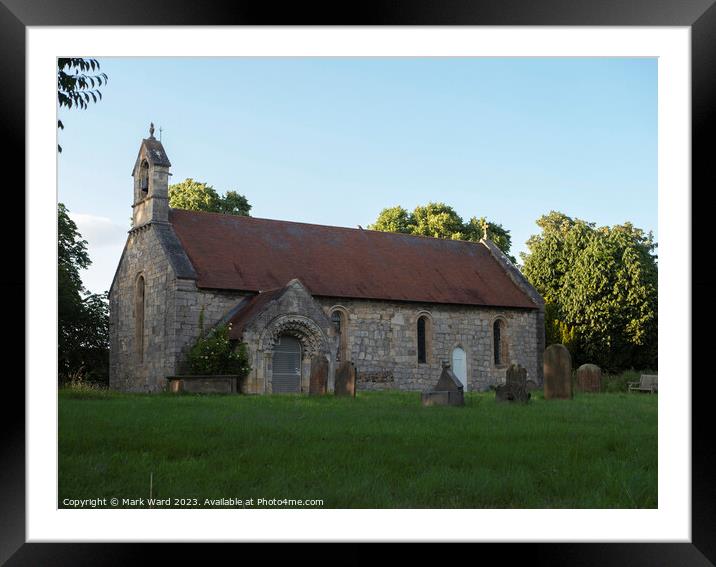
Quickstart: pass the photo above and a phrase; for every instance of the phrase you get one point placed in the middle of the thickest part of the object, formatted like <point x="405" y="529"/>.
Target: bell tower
<point x="151" y="183"/>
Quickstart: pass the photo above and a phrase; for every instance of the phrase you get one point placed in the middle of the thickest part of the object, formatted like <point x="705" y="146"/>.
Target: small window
<point x="499" y="341"/>
<point x="422" y="346"/>
<point x="144" y="177"/>
<point x="338" y="320"/>
<point x="139" y="317"/>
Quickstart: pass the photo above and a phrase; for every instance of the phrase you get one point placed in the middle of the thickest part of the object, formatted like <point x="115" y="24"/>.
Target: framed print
<point x="675" y="527"/>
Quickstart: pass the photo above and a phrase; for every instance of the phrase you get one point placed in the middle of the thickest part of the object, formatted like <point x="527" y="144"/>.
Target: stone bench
<point x="647" y="383"/>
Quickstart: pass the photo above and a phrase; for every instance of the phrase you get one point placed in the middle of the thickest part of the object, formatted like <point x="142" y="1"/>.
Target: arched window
<point x="499" y="342"/>
<point x="423" y="339"/>
<point x="144" y="178"/>
<point x="338" y="320"/>
<point x="139" y="317"/>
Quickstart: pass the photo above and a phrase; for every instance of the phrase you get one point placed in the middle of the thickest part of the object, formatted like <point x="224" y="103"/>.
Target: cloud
<point x="99" y="231"/>
<point x="105" y="240"/>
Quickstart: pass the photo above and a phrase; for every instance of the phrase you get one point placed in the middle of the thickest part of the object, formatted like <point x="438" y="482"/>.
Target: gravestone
<point x="589" y="378"/>
<point x="515" y="387"/>
<point x="346" y="379"/>
<point x="447" y="392"/>
<point x="319" y="375"/>
<point x="557" y="373"/>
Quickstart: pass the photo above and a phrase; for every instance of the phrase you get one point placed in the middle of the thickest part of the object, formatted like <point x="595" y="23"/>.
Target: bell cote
<point x="151" y="183"/>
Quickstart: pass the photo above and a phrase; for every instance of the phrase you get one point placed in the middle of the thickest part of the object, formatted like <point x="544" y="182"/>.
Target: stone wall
<point x="128" y="370"/>
<point x="190" y="303"/>
<point x="382" y="342"/>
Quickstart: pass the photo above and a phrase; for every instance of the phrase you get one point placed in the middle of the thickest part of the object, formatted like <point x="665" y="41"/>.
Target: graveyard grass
<point x="379" y="450"/>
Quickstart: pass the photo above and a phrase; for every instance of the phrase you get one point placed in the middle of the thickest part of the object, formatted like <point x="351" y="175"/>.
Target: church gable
<point x="152" y="151"/>
<point x="290" y="310"/>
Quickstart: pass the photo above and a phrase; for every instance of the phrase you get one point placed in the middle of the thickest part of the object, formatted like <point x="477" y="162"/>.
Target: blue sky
<point x="335" y="140"/>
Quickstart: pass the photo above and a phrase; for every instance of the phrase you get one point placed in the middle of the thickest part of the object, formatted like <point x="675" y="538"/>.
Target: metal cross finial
<point x="160" y="133"/>
<point x="151" y="129"/>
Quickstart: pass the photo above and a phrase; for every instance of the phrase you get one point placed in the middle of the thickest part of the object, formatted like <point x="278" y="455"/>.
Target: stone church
<point x="396" y="305"/>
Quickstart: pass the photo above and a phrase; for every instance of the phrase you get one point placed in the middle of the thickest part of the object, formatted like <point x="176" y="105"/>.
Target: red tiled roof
<point x="252" y="254"/>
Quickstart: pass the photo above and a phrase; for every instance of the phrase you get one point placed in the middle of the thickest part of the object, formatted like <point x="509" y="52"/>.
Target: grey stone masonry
<point x="294" y="312"/>
<point x="130" y="369"/>
<point x="382" y="339"/>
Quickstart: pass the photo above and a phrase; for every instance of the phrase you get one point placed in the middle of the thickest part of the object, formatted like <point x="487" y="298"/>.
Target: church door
<point x="286" y="376"/>
<point x="459" y="366"/>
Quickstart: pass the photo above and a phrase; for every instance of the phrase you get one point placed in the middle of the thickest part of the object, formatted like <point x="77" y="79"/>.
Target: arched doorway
<point x="286" y="373"/>
<point x="459" y="365"/>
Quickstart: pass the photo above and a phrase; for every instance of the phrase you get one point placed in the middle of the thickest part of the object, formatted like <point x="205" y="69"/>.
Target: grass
<point x="379" y="450"/>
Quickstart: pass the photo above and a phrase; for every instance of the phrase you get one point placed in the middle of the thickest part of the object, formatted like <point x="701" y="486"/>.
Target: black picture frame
<point x="698" y="15"/>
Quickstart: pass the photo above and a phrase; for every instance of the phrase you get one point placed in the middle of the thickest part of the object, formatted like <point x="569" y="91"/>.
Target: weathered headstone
<point x="557" y="373"/>
<point x="515" y="387"/>
<point x="589" y="378"/>
<point x="447" y="392"/>
<point x="346" y="379"/>
<point x="319" y="375"/>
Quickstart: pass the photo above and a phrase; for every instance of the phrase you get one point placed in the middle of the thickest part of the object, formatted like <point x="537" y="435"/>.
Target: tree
<point x="76" y="88"/>
<point x="83" y="317"/>
<point x="198" y="196"/>
<point x="600" y="285"/>
<point x="439" y="220"/>
<point x="393" y="219"/>
<point x="234" y="204"/>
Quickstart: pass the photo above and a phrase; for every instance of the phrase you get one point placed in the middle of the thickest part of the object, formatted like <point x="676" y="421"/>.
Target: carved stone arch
<point x="313" y="339"/>
<point x="459" y="344"/>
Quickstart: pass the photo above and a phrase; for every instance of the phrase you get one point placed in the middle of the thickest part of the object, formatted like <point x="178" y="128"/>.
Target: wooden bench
<point x="647" y="383"/>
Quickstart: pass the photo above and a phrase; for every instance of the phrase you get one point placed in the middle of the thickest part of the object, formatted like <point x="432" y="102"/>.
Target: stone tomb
<point x="318" y="384"/>
<point x="589" y="378"/>
<point x="447" y="392"/>
<point x="346" y="379"/>
<point x="204" y="384"/>
<point x="557" y="373"/>
<point x="515" y="387"/>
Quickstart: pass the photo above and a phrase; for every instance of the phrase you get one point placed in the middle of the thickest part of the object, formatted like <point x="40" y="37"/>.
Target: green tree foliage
<point x="198" y="196"/>
<point x="83" y="317"/>
<point x="77" y="82"/>
<point x="600" y="285"/>
<point x="439" y="220"/>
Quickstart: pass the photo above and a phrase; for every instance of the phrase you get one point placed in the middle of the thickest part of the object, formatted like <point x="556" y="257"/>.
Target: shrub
<point x="79" y="381"/>
<point x="216" y="353"/>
